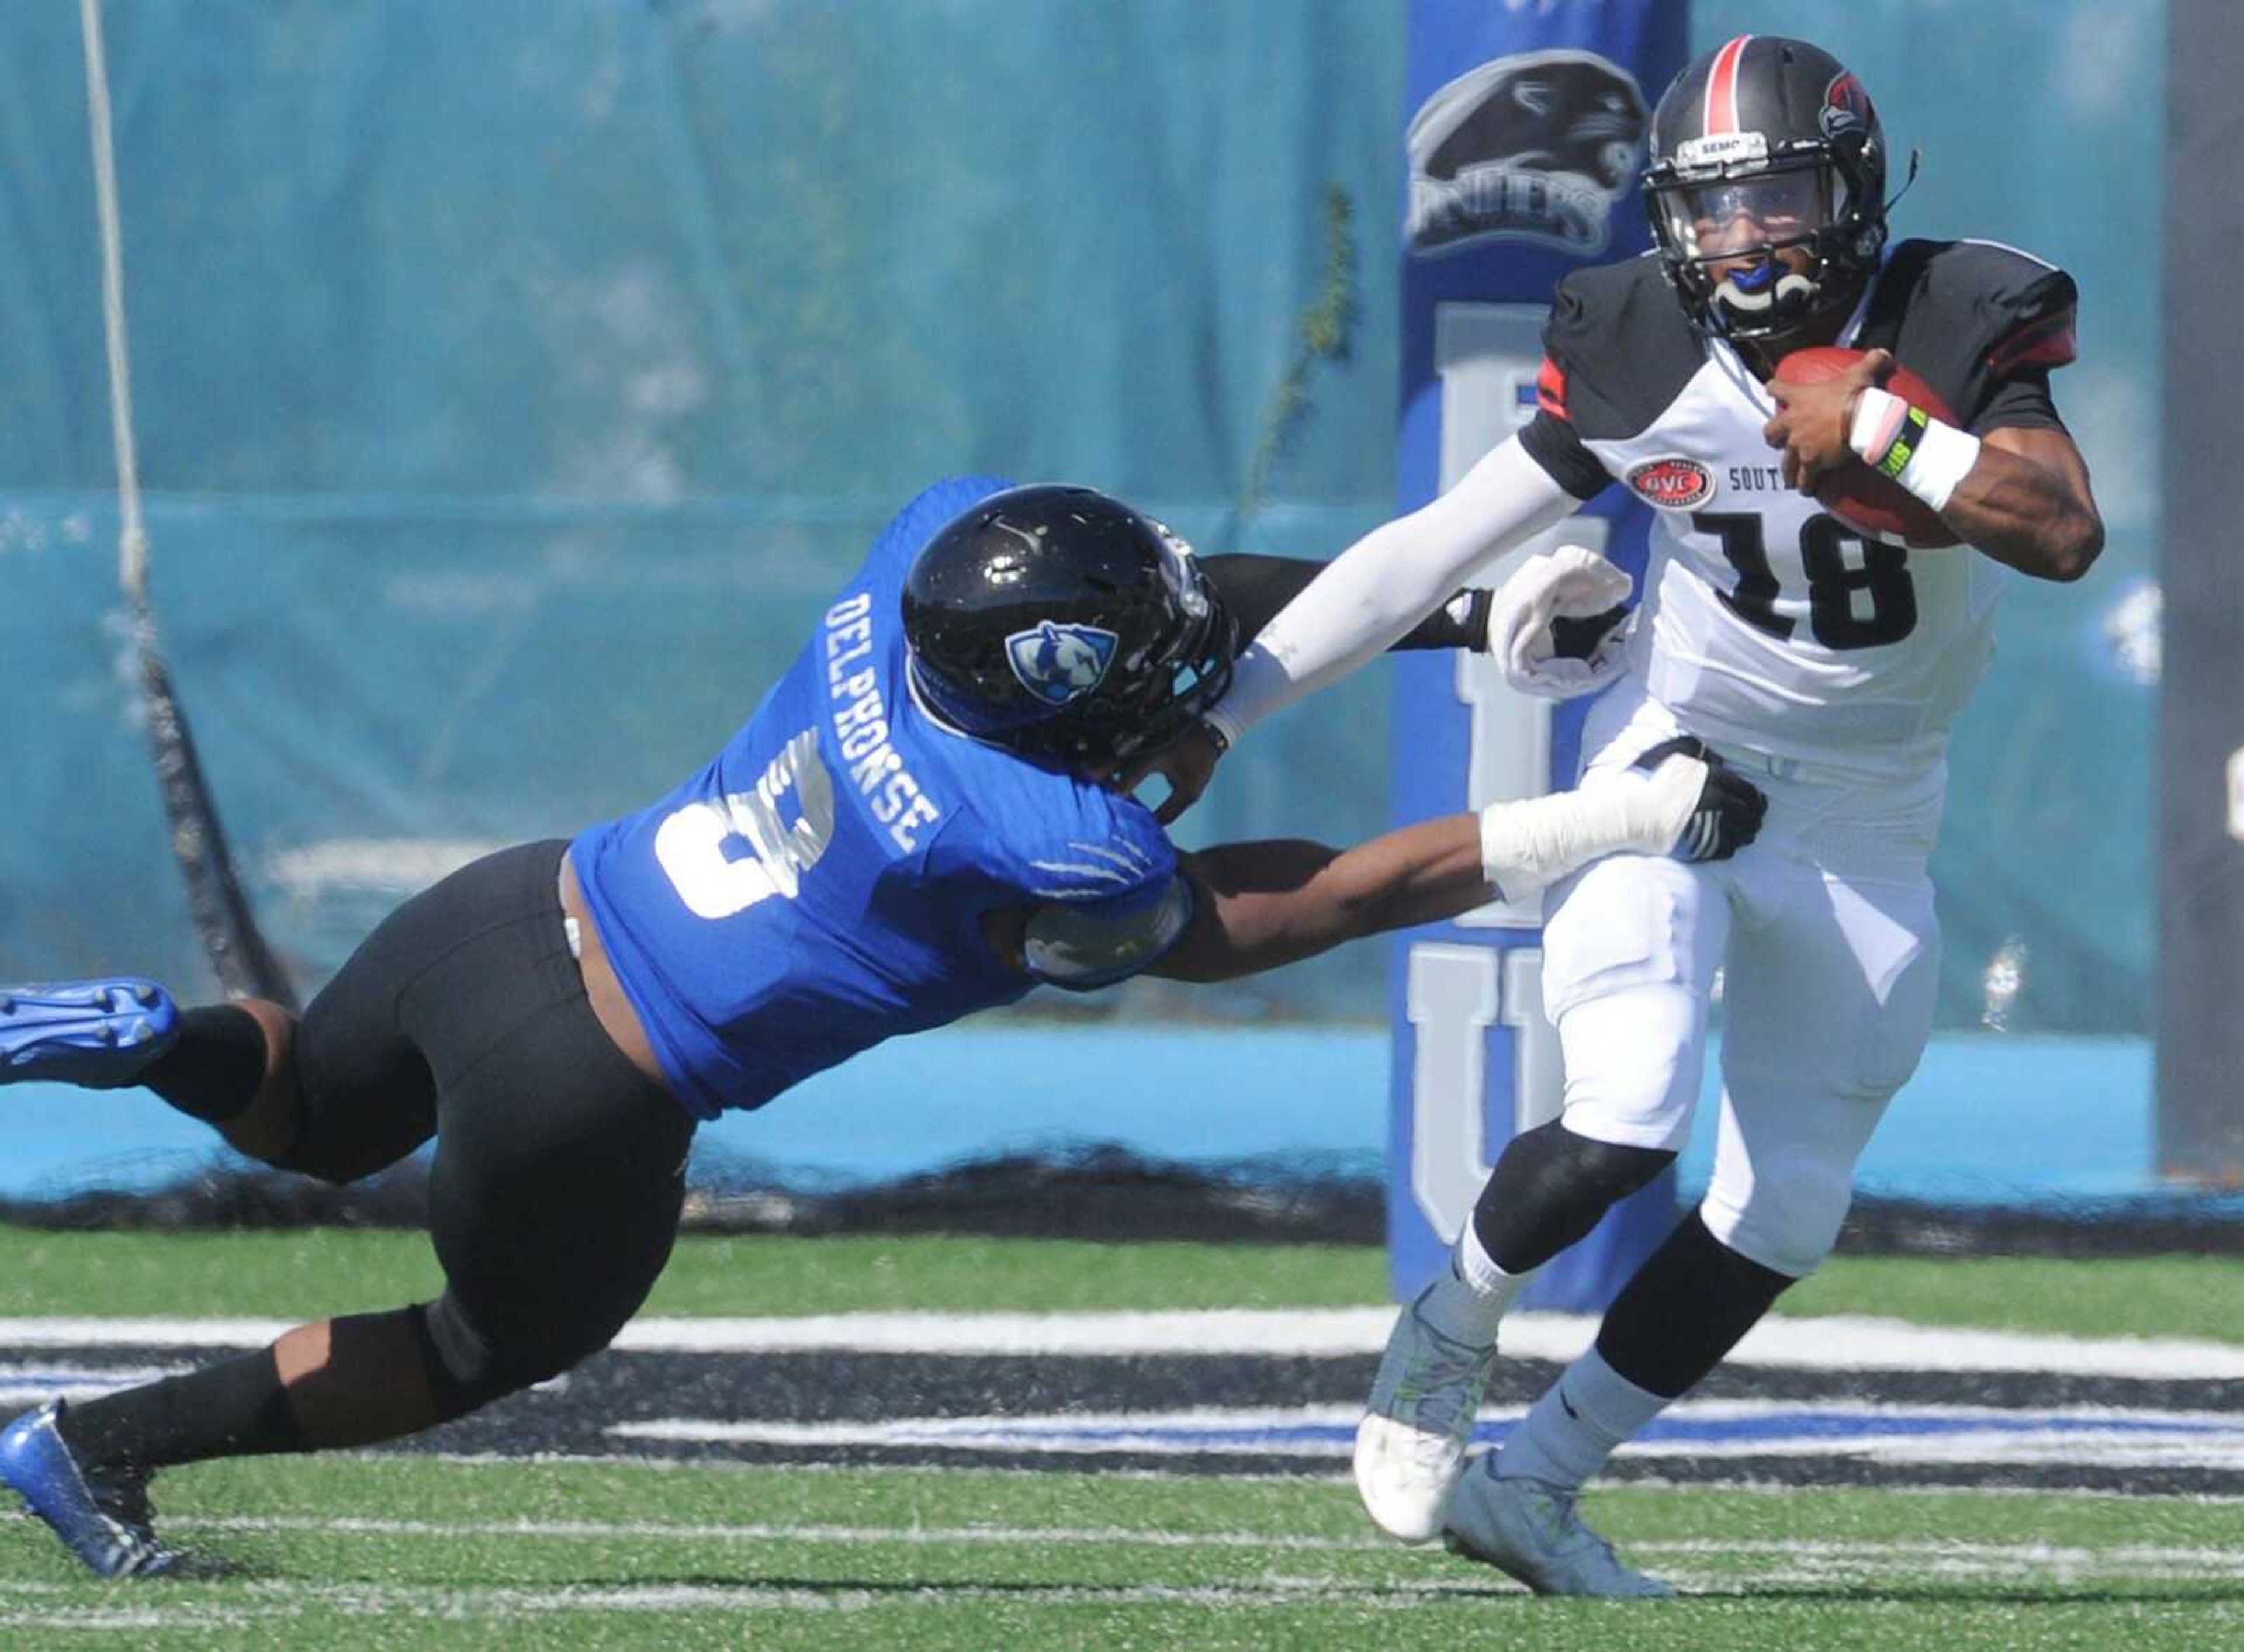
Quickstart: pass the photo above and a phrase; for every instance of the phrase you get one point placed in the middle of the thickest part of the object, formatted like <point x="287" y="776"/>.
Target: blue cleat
<point x="102" y="1514"/>
<point x="101" y="1034"/>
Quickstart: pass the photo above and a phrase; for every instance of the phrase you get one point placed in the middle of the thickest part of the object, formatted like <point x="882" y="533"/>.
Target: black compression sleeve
<point x="235" y="1408"/>
<point x="1549" y="1190"/>
<point x="1255" y="587"/>
<point x="1684" y="1308"/>
<point x="215" y="1067"/>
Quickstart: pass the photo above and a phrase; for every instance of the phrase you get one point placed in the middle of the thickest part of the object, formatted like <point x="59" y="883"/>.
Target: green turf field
<point x="393" y="1554"/>
<point x="324" y="1270"/>
<point x="403" y="1552"/>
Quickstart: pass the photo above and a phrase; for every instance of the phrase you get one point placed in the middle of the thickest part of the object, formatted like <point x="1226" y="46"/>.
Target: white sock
<point x="1567" y="1435"/>
<point x="1468" y="1298"/>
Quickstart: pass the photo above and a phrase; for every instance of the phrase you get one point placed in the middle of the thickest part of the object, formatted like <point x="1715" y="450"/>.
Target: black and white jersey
<point x="1767" y="622"/>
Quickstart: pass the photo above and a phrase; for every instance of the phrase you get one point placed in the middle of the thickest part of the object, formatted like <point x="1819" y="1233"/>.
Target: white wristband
<point x="1537" y="841"/>
<point x="1902" y="441"/>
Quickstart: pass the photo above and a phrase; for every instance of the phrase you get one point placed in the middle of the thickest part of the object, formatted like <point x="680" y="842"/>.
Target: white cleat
<point x="1529" y="1529"/>
<point x="1411" y="1447"/>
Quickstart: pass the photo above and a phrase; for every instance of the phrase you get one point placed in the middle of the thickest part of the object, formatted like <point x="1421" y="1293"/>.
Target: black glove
<point x="1730" y="805"/>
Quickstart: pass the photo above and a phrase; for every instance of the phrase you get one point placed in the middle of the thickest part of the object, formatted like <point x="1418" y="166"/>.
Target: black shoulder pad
<point x="1620" y="349"/>
<point x="1966" y="316"/>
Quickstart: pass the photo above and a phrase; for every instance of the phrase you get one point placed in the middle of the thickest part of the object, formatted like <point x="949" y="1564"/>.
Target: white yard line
<point x="1774" y="1567"/>
<point x="765" y="1532"/>
<point x="24" y="1385"/>
<point x="1307" y="1475"/>
<point x="2025" y="1556"/>
<point x="1698" y="1430"/>
<point x="1838" y="1343"/>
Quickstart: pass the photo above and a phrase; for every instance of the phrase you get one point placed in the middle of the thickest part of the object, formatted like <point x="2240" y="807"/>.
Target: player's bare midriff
<point x="609" y="1006"/>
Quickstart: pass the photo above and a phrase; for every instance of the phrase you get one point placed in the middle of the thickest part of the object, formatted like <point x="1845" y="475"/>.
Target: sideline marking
<point x="2025" y="1557"/>
<point x="766" y="1532"/>
<point x="1832" y="1343"/>
<point x="30" y="1386"/>
<point x="1868" y="1431"/>
<point x="1813" y="1566"/>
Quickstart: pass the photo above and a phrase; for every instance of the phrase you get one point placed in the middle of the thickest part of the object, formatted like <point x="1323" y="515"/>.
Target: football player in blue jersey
<point x="917" y="823"/>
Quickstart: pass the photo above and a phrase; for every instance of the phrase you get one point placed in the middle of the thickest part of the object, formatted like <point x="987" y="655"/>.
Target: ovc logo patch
<point x="1060" y="663"/>
<point x="1672" y="484"/>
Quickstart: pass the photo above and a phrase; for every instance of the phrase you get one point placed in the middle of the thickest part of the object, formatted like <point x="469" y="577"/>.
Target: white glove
<point x="1570" y="583"/>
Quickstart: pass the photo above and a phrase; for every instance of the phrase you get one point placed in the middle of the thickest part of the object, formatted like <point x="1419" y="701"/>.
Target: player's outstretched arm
<point x="1385" y="583"/>
<point x="1363" y="601"/>
<point x="1258" y="588"/>
<point x="1260" y="905"/>
<point x="1257" y="905"/>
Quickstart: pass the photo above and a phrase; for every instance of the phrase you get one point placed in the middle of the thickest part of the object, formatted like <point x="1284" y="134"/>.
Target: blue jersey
<point x="820" y="885"/>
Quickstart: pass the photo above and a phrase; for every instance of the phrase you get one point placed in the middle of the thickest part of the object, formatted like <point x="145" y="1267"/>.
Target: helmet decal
<point x="1846" y="105"/>
<point x="1722" y="88"/>
<point x="1060" y="663"/>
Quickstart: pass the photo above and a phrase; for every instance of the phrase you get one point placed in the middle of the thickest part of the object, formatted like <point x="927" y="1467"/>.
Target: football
<point x="1858" y="496"/>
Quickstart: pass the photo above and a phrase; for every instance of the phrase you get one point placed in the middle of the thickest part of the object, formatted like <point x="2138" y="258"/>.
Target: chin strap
<point x="1915" y="158"/>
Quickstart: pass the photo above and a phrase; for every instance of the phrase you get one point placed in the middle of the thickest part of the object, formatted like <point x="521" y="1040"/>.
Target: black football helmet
<point x="1762" y="143"/>
<point x="1061" y="624"/>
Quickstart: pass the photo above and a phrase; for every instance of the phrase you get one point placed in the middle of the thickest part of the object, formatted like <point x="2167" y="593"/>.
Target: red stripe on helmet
<point x="1722" y="89"/>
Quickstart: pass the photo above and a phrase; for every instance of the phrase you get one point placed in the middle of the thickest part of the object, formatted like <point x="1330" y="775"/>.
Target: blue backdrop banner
<point x="517" y="382"/>
<point x="1524" y="139"/>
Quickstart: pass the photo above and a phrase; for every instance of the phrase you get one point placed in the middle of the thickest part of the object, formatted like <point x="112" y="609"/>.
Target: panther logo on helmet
<point x="1535" y="147"/>
<point x="1058" y="663"/>
<point x="1062" y="625"/>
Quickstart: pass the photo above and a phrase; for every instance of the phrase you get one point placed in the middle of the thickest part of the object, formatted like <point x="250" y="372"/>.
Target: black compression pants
<point x="559" y="1168"/>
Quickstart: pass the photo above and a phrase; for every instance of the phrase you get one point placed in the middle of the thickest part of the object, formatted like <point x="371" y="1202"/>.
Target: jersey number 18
<point x="1832" y="581"/>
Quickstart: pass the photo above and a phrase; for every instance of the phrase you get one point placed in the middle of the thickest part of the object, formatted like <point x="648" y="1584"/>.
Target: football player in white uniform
<point x="1825" y="664"/>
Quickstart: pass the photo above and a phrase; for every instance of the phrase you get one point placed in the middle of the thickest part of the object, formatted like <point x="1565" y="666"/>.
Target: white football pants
<point x="1825" y="938"/>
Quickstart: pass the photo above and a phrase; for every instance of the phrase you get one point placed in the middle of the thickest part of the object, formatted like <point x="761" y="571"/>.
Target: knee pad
<point x="470" y="1366"/>
<point x="1551" y="1187"/>
<point x="1790" y="1218"/>
<point x="1570" y="1164"/>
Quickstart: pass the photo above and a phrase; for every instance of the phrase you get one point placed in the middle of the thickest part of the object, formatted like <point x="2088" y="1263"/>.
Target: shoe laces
<point x="1443" y="1383"/>
<point x="1569" y="1529"/>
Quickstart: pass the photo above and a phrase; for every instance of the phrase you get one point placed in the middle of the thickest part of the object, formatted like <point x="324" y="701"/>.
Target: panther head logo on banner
<point x="1536" y="147"/>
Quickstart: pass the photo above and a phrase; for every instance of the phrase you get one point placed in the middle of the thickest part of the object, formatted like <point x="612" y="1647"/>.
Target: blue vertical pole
<point x="1524" y="143"/>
